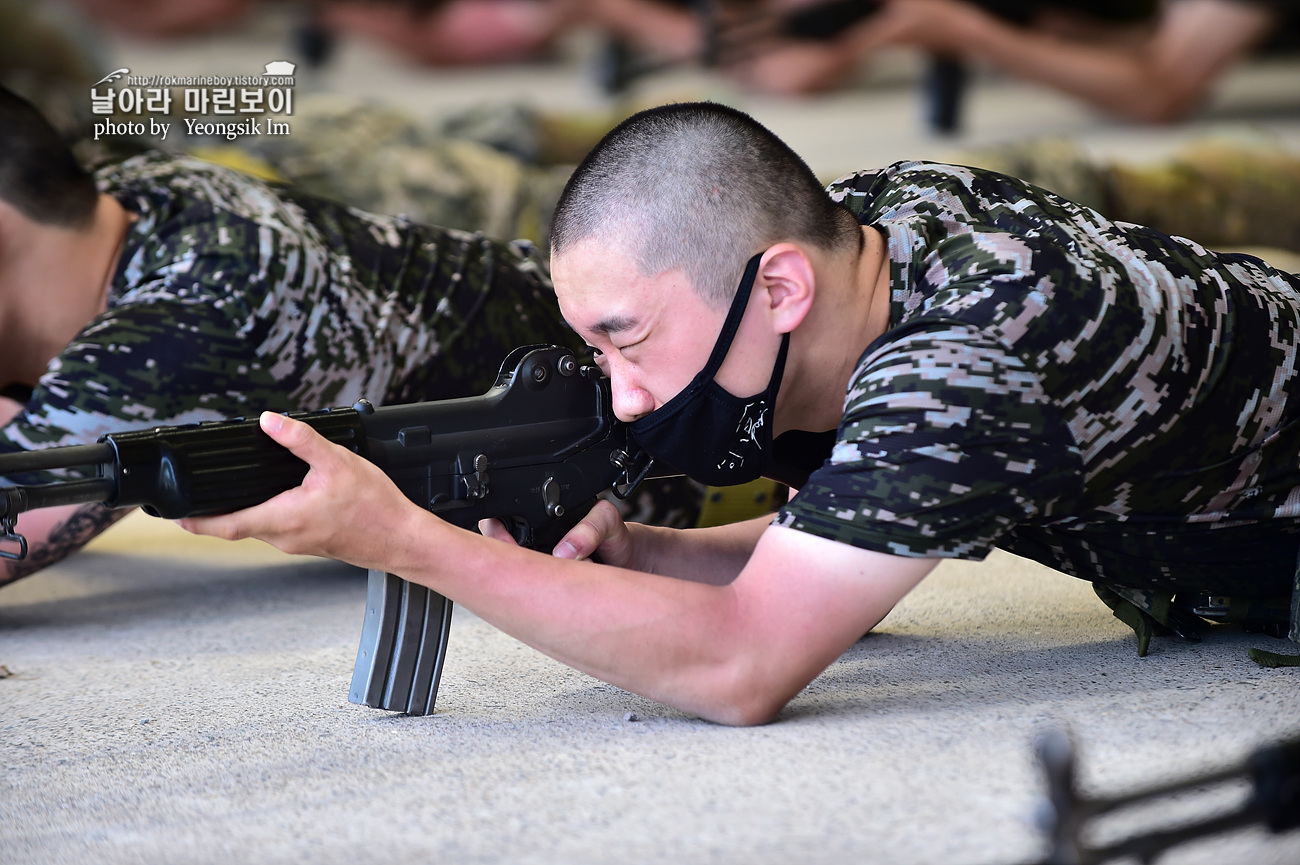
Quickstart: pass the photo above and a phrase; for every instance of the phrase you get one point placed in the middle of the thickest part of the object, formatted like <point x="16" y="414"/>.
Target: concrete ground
<point x="180" y="700"/>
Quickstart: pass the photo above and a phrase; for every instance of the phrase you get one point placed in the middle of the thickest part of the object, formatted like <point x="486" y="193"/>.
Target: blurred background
<point x="1185" y="115"/>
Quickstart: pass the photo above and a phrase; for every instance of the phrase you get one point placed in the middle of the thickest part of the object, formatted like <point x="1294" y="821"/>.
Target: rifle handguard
<point x="216" y="467"/>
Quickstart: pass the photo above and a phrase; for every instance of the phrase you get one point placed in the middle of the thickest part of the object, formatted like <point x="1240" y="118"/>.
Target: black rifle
<point x="1273" y="773"/>
<point x="536" y="451"/>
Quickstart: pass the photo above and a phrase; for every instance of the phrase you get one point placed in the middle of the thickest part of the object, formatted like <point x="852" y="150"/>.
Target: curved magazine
<point x="403" y="643"/>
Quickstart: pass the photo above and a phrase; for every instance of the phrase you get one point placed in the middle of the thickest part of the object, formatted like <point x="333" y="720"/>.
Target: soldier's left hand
<point x="346" y="508"/>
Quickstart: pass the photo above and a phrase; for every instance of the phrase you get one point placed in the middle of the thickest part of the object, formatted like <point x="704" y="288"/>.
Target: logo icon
<point x="279" y="67"/>
<point x="112" y="76"/>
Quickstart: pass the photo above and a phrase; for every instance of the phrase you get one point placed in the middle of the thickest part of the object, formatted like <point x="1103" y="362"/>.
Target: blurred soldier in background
<point x="166" y="290"/>
<point x="1147" y="61"/>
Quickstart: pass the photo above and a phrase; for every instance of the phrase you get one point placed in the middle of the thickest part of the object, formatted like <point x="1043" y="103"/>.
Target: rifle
<point x="1069" y="817"/>
<point x="535" y="450"/>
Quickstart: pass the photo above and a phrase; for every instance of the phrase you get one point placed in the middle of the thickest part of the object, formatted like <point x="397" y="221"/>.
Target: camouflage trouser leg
<point x="1225" y="195"/>
<point x="382" y="159"/>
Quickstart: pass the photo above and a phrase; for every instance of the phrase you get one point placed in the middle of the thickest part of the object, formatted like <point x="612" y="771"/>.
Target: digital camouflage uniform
<point x="1115" y="403"/>
<point x="233" y="296"/>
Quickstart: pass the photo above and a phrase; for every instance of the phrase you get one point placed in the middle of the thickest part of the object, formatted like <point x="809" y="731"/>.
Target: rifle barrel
<point x="15" y="500"/>
<point x="56" y="458"/>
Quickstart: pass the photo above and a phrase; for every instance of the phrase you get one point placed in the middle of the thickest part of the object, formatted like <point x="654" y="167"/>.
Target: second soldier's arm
<point x="55" y="533"/>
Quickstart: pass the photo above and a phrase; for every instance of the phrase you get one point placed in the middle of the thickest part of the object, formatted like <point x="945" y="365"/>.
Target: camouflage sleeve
<point x="163" y="362"/>
<point x="947" y="442"/>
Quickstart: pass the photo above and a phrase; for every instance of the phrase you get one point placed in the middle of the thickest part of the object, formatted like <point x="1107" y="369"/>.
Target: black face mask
<point x="705" y="432"/>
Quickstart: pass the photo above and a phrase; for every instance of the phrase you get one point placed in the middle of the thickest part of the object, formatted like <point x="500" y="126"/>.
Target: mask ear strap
<point x="732" y="323"/>
<point x="779" y="370"/>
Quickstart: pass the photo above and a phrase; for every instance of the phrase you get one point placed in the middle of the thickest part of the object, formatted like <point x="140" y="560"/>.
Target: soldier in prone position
<point x="940" y="359"/>
<point x="167" y="290"/>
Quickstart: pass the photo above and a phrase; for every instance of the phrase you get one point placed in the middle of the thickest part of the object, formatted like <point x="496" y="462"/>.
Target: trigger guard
<point x="518" y="530"/>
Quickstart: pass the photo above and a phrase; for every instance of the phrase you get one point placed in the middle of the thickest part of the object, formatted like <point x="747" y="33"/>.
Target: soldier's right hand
<point x="601" y="533"/>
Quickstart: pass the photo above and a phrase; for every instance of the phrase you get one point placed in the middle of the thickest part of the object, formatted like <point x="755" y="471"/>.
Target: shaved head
<point x="698" y="187"/>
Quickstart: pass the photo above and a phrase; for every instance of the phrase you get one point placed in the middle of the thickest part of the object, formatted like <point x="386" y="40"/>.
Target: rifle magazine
<point x="403" y="644"/>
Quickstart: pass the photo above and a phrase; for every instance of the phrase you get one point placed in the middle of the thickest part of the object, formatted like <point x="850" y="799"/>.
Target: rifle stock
<point x="536" y="451"/>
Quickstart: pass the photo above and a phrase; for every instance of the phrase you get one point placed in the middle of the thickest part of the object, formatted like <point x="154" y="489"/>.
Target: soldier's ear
<point x="786" y="274"/>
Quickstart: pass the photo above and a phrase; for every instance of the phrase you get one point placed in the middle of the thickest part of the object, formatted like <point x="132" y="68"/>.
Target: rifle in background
<point x="1070" y="818"/>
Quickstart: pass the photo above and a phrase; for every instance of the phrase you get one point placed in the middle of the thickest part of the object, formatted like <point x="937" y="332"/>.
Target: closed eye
<point x="623" y="348"/>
